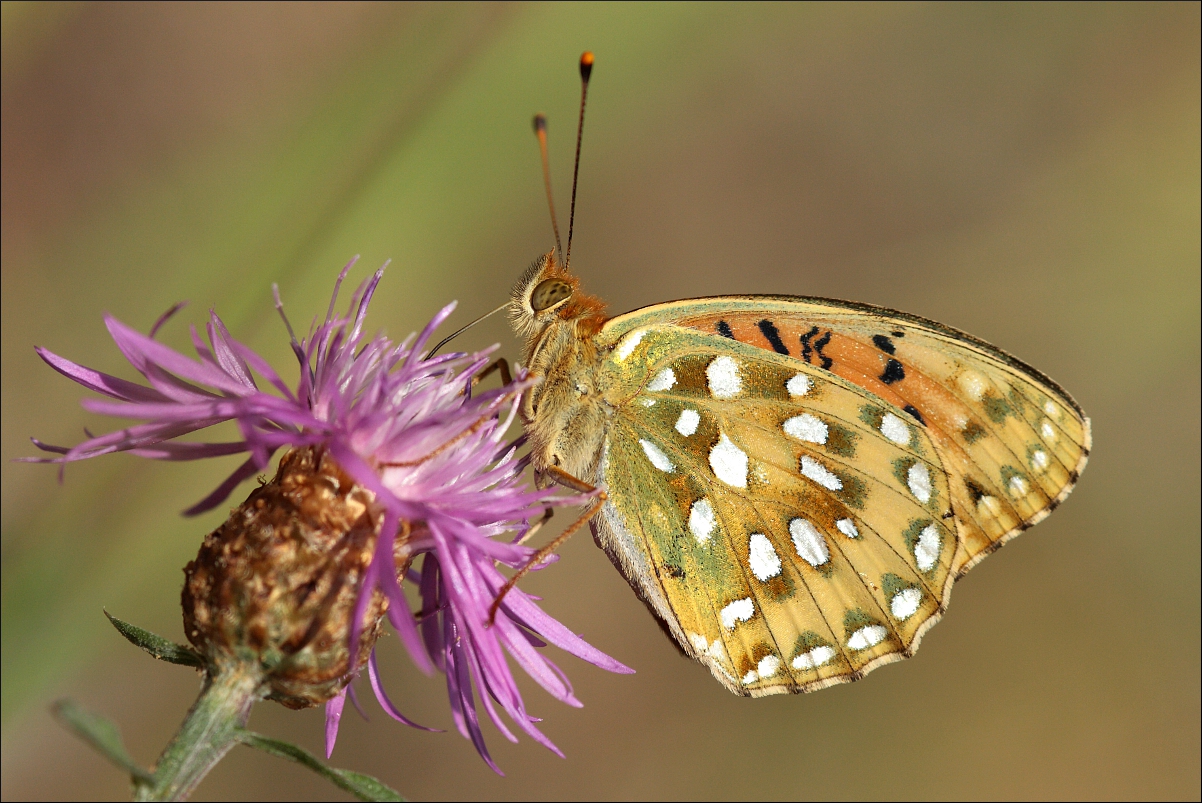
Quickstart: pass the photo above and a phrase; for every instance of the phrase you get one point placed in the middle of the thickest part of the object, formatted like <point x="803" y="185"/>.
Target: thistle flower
<point x="393" y="459"/>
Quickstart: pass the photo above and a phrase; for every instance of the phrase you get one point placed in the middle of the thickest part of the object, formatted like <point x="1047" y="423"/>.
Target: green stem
<point x="207" y="734"/>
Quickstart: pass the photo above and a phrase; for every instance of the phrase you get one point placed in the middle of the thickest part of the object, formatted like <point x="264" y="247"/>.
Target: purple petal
<point x="368" y="291"/>
<point x="373" y="673"/>
<point x="465" y="704"/>
<point x="487" y="696"/>
<point x="227" y="358"/>
<point x="432" y="609"/>
<point x="166" y="316"/>
<point x="533" y="617"/>
<point x="137" y="436"/>
<point x="174" y="388"/>
<point x="354" y="698"/>
<point x="333" y="717"/>
<point x="141" y="351"/>
<point x="222" y="491"/>
<point x="189" y="451"/>
<point x="263" y="368"/>
<point x="293" y="342"/>
<point x="338" y="284"/>
<point x="424" y="337"/>
<point x="45" y="447"/>
<point x="202" y="348"/>
<point x="97" y="381"/>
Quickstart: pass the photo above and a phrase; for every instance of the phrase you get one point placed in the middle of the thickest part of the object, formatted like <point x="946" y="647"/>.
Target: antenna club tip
<point x="540" y="122"/>
<point x="586" y="64"/>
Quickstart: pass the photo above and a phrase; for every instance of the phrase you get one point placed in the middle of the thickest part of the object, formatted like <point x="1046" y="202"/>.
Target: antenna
<point x="463" y="329"/>
<point x="586" y="69"/>
<point x="540" y="130"/>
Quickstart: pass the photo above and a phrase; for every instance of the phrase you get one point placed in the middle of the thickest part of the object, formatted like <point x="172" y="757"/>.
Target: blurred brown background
<point x="1029" y="173"/>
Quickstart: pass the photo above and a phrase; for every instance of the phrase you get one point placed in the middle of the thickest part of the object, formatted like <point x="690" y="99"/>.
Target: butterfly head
<point x="548" y="294"/>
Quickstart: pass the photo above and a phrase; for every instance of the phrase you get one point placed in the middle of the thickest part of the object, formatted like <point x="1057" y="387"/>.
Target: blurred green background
<point x="1029" y="173"/>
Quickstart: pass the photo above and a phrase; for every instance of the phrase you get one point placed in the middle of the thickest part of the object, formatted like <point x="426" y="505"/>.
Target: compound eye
<point x="548" y="293"/>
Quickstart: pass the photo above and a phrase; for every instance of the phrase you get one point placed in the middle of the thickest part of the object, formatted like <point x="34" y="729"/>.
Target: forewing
<point x="1012" y="441"/>
<point x="788" y="542"/>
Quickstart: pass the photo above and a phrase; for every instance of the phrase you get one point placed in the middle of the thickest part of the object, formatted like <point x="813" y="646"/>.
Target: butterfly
<point x="792" y="485"/>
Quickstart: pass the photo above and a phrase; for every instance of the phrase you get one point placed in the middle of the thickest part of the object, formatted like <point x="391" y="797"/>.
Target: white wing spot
<point x="702" y="521"/>
<point x="818" y="473"/>
<point x="647" y="402"/>
<point x="729" y="462"/>
<point x="1052" y="410"/>
<point x="895" y="429"/>
<point x="973" y="385"/>
<point x="905" y="603"/>
<point x="1047" y="431"/>
<point x="1040" y="460"/>
<point x="926" y="549"/>
<point x="799" y="385"/>
<point x="724" y="379"/>
<point x="664" y="380"/>
<point x="629" y="343"/>
<point x="687" y="423"/>
<point x="806" y="427"/>
<point x="867" y="637"/>
<point x="764" y="562"/>
<point x="717" y="651"/>
<point x="1018" y="486"/>
<point x="919" y="480"/>
<point x="814" y="658"/>
<point x="767" y="666"/>
<point x="848" y="528"/>
<point x="750" y="677"/>
<point x="991" y="505"/>
<point x="810" y="545"/>
<point x="657" y="456"/>
<point x="738" y="611"/>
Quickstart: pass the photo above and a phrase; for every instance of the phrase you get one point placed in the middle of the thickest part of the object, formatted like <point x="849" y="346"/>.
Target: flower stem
<point x="207" y="734"/>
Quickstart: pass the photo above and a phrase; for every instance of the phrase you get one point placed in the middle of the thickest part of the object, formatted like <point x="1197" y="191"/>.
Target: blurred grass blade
<point x="100" y="734"/>
<point x="157" y="646"/>
<point x="364" y="787"/>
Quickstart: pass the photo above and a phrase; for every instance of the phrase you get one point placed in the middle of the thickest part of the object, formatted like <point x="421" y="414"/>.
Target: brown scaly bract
<point x="280" y="578"/>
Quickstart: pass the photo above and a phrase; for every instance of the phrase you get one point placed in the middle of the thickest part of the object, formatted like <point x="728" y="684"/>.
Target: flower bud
<point x="277" y="583"/>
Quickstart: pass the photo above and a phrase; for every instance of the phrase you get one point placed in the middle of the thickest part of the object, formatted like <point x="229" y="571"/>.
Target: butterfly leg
<point x="500" y="364"/>
<point x="548" y="512"/>
<point x="568" y="481"/>
<point x="565" y="479"/>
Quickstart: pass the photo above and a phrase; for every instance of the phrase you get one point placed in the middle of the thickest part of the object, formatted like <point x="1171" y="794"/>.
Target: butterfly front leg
<point x="570" y="481"/>
<point x="500" y="364"/>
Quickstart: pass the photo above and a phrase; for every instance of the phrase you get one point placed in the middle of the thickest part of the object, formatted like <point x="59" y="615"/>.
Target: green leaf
<point x="101" y="734"/>
<point x="157" y="646"/>
<point x="364" y="787"/>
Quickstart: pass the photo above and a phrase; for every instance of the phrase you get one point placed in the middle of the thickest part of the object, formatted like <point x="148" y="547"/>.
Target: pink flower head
<point x="409" y="429"/>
